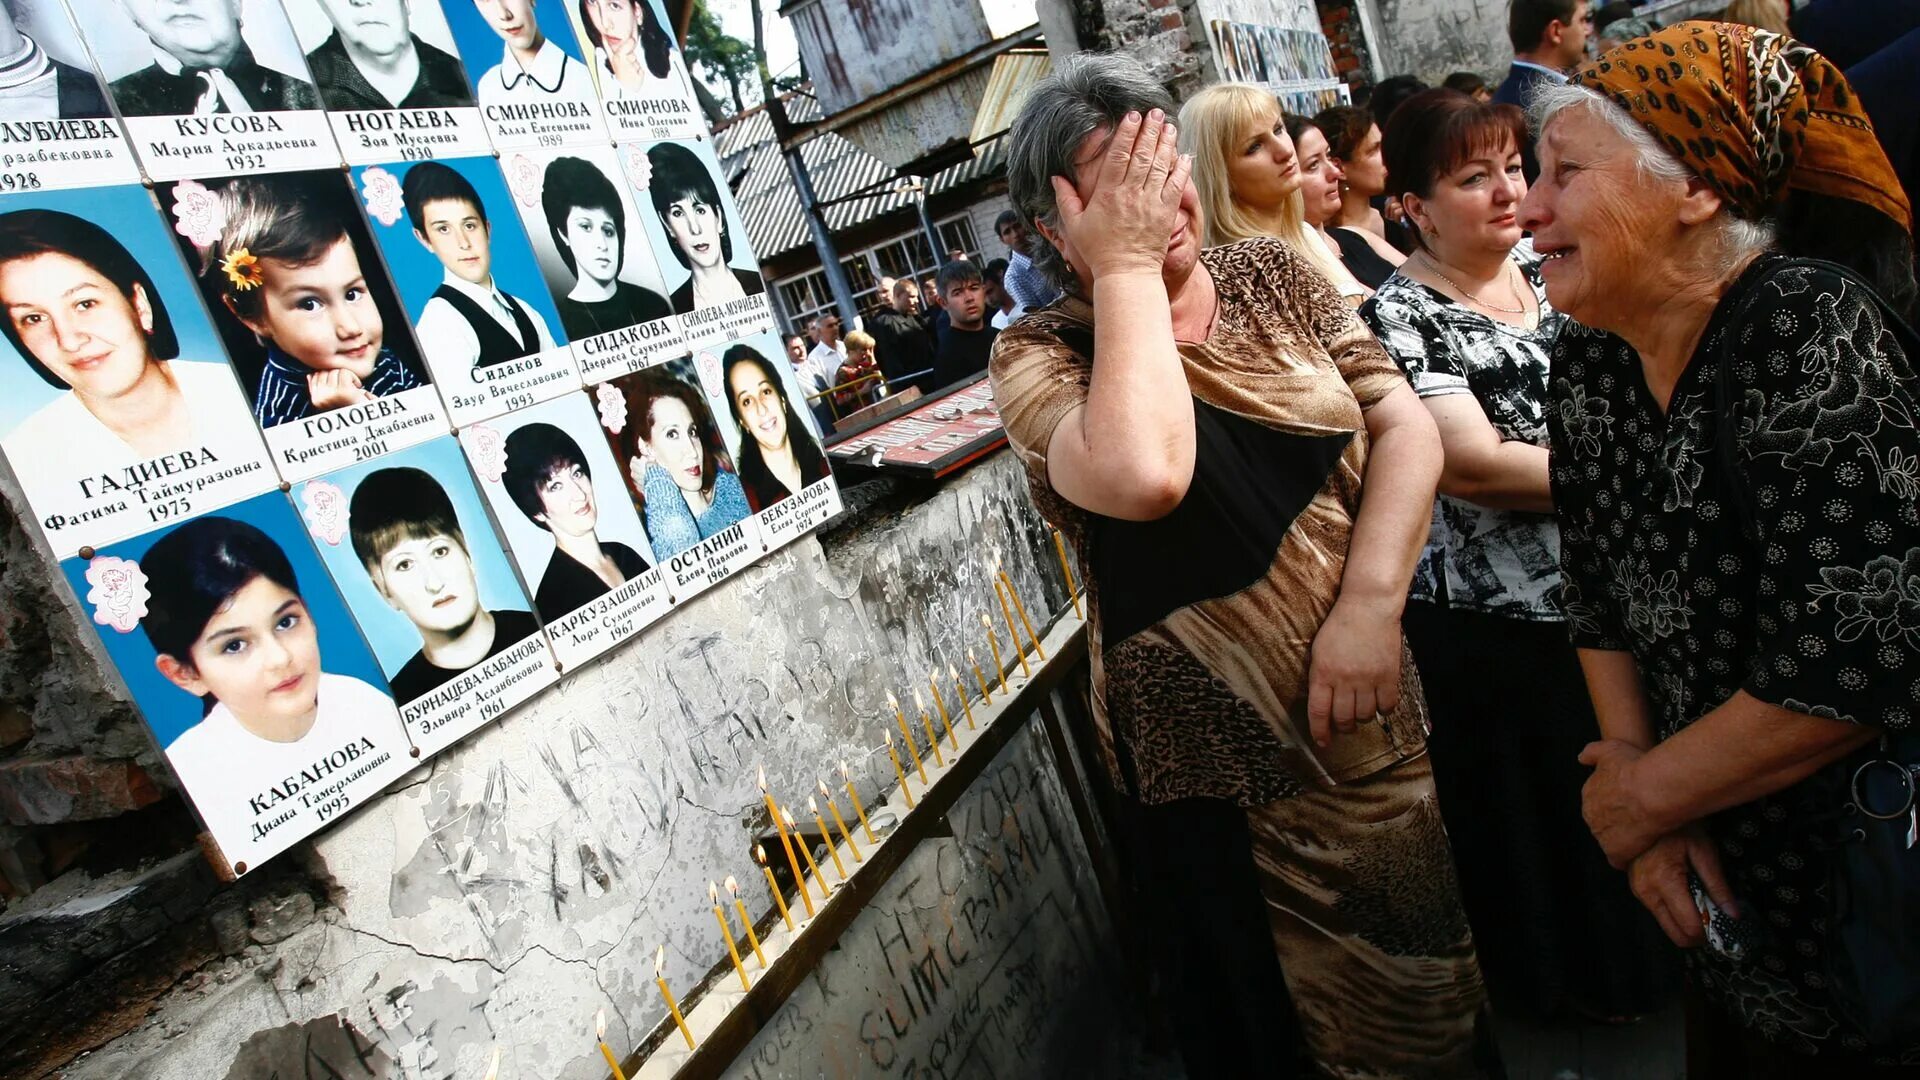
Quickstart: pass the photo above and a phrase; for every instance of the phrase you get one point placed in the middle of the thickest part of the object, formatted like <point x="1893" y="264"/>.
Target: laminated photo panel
<point x="361" y="53"/>
<point x="782" y="464"/>
<point x="591" y="244"/>
<point x="319" y="338"/>
<point x="71" y="139"/>
<point x="209" y="89"/>
<point x="473" y="293"/>
<point x="638" y="70"/>
<point x="527" y="71"/>
<point x="546" y="472"/>
<point x="679" y="470"/>
<point x="249" y="672"/>
<point x="699" y="242"/>
<point x="103" y="327"/>
<point x="413" y="552"/>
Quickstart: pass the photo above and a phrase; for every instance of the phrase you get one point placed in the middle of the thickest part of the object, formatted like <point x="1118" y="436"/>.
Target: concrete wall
<point x="1433" y="38"/>
<point x="520" y="882"/>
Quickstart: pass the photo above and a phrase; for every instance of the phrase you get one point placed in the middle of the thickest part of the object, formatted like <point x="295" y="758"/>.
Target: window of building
<point x="906" y="255"/>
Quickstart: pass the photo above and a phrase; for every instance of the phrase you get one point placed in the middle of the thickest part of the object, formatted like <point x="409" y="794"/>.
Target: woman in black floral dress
<point x="1748" y="615"/>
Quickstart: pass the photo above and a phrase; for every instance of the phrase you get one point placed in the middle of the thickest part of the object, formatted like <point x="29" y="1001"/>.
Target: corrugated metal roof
<point x="771" y="207"/>
<point x="1014" y="75"/>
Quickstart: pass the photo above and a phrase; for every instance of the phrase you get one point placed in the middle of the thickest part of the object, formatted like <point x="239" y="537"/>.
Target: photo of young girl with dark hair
<point x="687" y="198"/>
<point x="587" y="220"/>
<point x="549" y="478"/>
<point x="294" y="266"/>
<point x="677" y="467"/>
<point x="229" y="626"/>
<point x="779" y="456"/>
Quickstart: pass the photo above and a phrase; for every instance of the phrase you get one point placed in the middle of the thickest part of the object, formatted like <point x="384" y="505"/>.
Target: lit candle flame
<point x="813" y="805"/>
<point x="918" y="701"/>
<point x="789" y="818"/>
<point x="892" y="702"/>
<point x="986" y="622"/>
<point x="844" y="774"/>
<point x="889" y="736"/>
<point x="600" y="1025"/>
<point x="732" y="886"/>
<point x="659" y="961"/>
<point x="713" y="892"/>
<point x="953" y="673"/>
<point x="493" y="1067"/>
<point x="823" y="789"/>
<point x="760" y="853"/>
<point x="763" y="778"/>
<point x="970" y="657"/>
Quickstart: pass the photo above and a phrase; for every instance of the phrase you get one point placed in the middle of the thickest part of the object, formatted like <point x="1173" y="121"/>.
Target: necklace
<point x="1435" y="267"/>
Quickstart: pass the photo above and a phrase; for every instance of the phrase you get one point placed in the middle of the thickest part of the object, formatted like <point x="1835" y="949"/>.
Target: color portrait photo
<point x="562" y="501"/>
<point x="298" y="291"/>
<point x="472" y="290"/>
<point x="249" y="671"/>
<point x="413" y="552"/>
<point x="527" y="72"/>
<point x="638" y="69"/>
<point x="118" y="409"/>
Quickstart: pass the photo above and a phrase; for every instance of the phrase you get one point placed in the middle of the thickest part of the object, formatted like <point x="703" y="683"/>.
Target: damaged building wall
<point x="521" y="881"/>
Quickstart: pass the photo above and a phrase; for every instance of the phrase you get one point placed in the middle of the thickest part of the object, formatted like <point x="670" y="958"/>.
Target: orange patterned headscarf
<point x="1752" y="113"/>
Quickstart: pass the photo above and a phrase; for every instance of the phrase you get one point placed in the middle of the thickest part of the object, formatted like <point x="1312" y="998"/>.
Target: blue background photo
<point x="481" y="49"/>
<point x="417" y="272"/>
<point x="169" y="710"/>
<point x="391" y="634"/>
<point x="128" y="212"/>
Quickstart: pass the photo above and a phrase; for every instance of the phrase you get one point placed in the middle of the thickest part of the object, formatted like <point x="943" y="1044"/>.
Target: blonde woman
<point x="1248" y="176"/>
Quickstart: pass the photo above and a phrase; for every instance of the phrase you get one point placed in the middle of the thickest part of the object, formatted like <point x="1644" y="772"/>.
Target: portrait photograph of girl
<point x="307" y="312"/>
<point x="247" y="667"/>
<point x="780" y="454"/>
<point x="635" y="59"/>
<point x="696" y="227"/>
<point x="560" y="499"/>
<point x="109" y="359"/>
<point x="677" y="466"/>
<point x="589" y="239"/>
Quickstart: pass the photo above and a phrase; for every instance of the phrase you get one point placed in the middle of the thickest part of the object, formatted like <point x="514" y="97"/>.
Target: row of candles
<point x="797" y="850"/>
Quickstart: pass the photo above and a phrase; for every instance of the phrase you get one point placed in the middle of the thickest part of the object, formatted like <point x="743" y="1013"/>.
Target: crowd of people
<point x="1499" y="507"/>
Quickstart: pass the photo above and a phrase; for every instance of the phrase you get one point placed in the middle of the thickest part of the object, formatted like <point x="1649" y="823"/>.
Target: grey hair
<point x="1087" y="91"/>
<point x="1738" y="238"/>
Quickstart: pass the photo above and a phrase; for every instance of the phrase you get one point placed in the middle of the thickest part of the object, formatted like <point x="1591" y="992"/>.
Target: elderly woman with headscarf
<point x="1201" y="427"/>
<point x="1735" y="465"/>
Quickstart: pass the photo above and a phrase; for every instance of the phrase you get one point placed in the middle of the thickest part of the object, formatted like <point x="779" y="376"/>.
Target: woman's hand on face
<point x="335" y="389"/>
<point x="1354" y="670"/>
<point x="1612" y="804"/>
<point x="1658" y="877"/>
<point x="1119" y="216"/>
<point x="637" y="467"/>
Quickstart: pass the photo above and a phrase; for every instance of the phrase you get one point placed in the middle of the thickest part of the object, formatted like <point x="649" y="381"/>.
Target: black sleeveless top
<point x="496" y="345"/>
<point x="1362" y="261"/>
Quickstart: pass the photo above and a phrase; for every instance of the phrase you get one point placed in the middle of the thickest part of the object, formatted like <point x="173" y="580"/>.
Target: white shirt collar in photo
<point x="546" y="74"/>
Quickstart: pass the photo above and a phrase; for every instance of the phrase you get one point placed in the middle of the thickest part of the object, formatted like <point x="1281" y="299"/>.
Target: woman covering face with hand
<point x="778" y="455"/>
<point x="633" y="56"/>
<point x="675" y="464"/>
<point x="549" y="479"/>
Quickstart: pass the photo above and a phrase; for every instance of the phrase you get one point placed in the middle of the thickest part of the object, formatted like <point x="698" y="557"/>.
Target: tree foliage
<point x="721" y="55"/>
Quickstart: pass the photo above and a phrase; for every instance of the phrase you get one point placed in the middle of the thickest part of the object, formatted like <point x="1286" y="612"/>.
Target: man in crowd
<point x="828" y="352"/>
<point x="967" y="339"/>
<point x="811" y="379"/>
<point x="202" y="65"/>
<point x="374" y="60"/>
<point x="1000" y="303"/>
<point x="1028" y="289"/>
<point x="901" y="344"/>
<point x="1549" y="40"/>
<point x="933" y="311"/>
<point x="35" y="86"/>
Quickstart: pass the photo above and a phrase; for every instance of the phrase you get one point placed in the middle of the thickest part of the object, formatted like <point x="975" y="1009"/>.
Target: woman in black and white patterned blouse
<point x="1467" y="319"/>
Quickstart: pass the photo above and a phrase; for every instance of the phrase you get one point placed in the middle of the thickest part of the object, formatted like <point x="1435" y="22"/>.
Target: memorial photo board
<point x="699" y="241"/>
<point x="638" y="70"/>
<point x="412" y="550"/>
<point x="528" y="75"/>
<point x="781" y="463"/>
<point x="118" y="410"/>
<point x="249" y="671"/>
<point x="56" y="127"/>
<point x="209" y="88"/>
<point x="472" y="291"/>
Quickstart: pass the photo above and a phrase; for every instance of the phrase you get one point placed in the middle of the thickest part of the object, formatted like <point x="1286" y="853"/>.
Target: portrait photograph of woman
<point x="109" y="362"/>
<point x="780" y="454"/>
<point x="677" y="466"/>
<point x="246" y="666"/>
<point x="696" y="230"/>
<point x="589" y="239"/>
<point x="635" y="59"/>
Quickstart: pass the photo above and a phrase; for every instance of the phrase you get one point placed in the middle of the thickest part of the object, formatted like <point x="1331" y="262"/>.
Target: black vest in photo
<point x="496" y="346"/>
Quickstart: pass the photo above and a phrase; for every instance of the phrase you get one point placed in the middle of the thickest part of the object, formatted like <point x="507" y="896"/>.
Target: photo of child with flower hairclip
<point x="290" y="273"/>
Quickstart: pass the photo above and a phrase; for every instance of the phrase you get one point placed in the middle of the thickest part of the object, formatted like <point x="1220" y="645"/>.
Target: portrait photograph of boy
<point x="589" y="238"/>
<point x="197" y="57"/>
<point x="695" y="229"/>
<point x="108" y="362"/>
<point x="410" y="547"/>
<point x="469" y="282"/>
<point x="380" y="54"/>
<point x="287" y="266"/>
<point x="248" y="669"/>
<point x="527" y="70"/>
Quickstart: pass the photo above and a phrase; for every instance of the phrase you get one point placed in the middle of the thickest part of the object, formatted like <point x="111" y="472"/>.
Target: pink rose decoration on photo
<point x="119" y="592"/>
<point x="523" y="178"/>
<point x="639" y="168"/>
<point x="709" y="368"/>
<point x="384" y="201"/>
<point x="198" y="213"/>
<point x="326" y="511"/>
<point x="487" y="450"/>
<point x="613" y="407"/>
